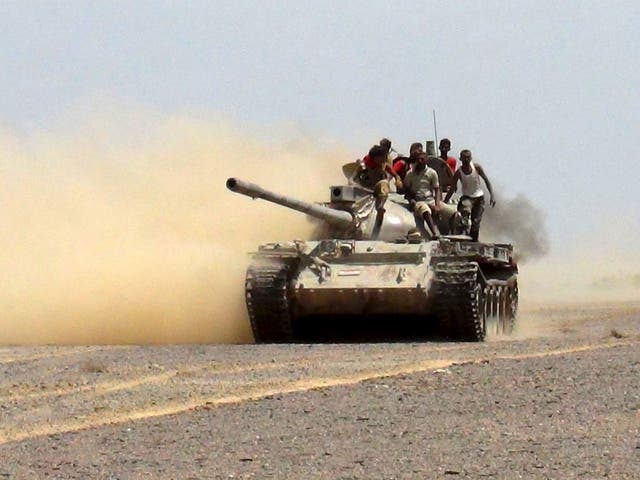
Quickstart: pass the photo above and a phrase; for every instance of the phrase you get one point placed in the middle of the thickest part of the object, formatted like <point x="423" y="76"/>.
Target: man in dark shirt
<point x="445" y="147"/>
<point x="373" y="173"/>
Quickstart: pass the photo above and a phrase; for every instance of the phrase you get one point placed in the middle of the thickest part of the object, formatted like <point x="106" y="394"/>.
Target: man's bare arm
<point x="454" y="185"/>
<point x="492" y="202"/>
<point x="389" y="169"/>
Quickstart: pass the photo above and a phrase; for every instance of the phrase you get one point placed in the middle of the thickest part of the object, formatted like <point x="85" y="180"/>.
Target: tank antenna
<point x="435" y="126"/>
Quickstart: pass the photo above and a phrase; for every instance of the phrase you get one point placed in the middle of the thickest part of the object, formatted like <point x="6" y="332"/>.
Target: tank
<point x="360" y="271"/>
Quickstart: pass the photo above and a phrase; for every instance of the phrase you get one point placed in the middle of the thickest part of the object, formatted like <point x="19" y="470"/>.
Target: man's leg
<point x="429" y="221"/>
<point x="443" y="217"/>
<point x="380" y="193"/>
<point x="423" y="213"/>
<point x="422" y="228"/>
<point x="476" y="217"/>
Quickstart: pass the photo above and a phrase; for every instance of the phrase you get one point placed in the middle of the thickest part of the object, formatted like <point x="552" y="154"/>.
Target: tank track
<point x="459" y="300"/>
<point x="469" y="307"/>
<point x="268" y="303"/>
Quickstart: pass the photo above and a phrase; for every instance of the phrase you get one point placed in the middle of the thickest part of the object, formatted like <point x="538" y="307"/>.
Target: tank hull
<point x="462" y="289"/>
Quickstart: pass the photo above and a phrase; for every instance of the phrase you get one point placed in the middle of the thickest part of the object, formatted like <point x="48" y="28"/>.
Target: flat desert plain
<point x="559" y="399"/>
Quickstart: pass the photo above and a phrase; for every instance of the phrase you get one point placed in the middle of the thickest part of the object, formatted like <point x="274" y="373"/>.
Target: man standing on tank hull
<point x="469" y="175"/>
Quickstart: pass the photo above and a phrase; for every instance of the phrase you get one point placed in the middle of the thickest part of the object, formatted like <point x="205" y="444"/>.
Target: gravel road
<point x="559" y="400"/>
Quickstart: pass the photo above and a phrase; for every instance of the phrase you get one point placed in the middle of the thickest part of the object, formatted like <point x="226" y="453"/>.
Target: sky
<point x="545" y="94"/>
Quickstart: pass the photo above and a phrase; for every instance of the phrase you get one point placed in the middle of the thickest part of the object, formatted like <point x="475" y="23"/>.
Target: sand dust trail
<point x="118" y="228"/>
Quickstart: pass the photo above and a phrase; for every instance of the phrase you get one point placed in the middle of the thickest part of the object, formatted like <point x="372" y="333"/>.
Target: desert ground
<point x="560" y="399"/>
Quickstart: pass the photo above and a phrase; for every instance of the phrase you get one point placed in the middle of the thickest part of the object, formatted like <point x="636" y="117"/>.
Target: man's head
<point x="414" y="151"/>
<point x="465" y="157"/>
<point x="421" y="162"/>
<point x="386" y="144"/>
<point x="378" y="154"/>
<point x="445" y="146"/>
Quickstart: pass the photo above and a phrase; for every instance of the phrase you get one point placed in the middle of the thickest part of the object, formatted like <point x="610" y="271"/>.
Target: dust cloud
<point x="117" y="227"/>
<point x="595" y="272"/>
<point x="591" y="278"/>
<point x="518" y="221"/>
<point x="592" y="281"/>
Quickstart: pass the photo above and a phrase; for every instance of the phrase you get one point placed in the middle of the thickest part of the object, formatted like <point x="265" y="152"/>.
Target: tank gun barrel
<point x="335" y="217"/>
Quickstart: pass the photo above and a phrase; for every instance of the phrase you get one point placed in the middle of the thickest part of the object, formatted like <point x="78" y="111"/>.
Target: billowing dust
<point x="113" y="236"/>
<point x="594" y="279"/>
<point x="119" y="229"/>
<point x="590" y="278"/>
<point x="518" y="221"/>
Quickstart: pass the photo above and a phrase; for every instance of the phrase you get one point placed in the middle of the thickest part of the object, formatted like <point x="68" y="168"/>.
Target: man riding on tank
<point x="403" y="165"/>
<point x="469" y="175"/>
<point x="422" y="189"/>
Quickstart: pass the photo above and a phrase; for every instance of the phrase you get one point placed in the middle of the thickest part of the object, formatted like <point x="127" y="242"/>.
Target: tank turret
<point x="349" y="213"/>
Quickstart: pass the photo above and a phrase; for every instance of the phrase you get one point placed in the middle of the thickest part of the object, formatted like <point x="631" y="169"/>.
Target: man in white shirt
<point x="469" y="175"/>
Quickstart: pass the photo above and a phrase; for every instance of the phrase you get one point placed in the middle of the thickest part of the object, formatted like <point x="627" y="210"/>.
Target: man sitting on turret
<point x="444" y="147"/>
<point x="390" y="154"/>
<point x="402" y="165"/>
<point x="422" y="189"/>
<point x="372" y="173"/>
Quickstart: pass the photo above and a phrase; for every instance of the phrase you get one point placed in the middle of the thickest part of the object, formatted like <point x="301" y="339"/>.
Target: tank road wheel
<point x="460" y="300"/>
<point x="504" y="319"/>
<point x="268" y="304"/>
<point x="491" y="323"/>
<point x="500" y="307"/>
<point x="512" y="307"/>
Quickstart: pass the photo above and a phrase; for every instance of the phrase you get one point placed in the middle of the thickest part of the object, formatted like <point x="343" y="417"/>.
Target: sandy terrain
<point x="559" y="400"/>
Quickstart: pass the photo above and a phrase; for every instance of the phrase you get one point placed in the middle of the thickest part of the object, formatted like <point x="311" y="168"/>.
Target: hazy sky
<point x="546" y="94"/>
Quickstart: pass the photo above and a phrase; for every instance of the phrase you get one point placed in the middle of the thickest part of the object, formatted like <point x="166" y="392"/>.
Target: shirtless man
<point x="469" y="175"/>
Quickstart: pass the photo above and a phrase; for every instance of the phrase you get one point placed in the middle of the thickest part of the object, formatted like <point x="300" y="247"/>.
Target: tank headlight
<point x="328" y="246"/>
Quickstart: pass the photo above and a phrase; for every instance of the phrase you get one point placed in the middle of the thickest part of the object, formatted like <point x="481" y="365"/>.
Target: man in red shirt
<point x="374" y="174"/>
<point x="376" y="163"/>
<point x="402" y="165"/>
<point x="391" y="154"/>
<point x="445" y="147"/>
